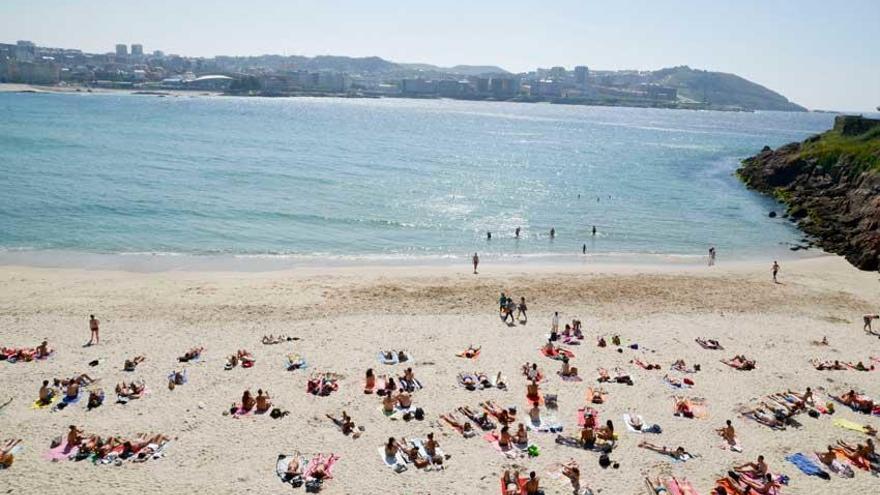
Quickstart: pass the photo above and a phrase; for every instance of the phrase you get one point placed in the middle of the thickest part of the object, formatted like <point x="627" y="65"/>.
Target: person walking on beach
<point x="554" y="324"/>
<point x="775" y="271"/>
<point x="476" y="262"/>
<point x="712" y="256"/>
<point x="867" y="319"/>
<point x="521" y="310"/>
<point x="93" y="328"/>
<point x="584" y="249"/>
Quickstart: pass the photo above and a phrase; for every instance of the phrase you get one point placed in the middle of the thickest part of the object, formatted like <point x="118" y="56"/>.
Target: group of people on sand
<point x="81" y="446"/>
<point x="260" y="403"/>
<point x="507" y="308"/>
<point x="242" y="357"/>
<point x="413" y="454"/>
<point x="26" y="354"/>
<point x="514" y="484"/>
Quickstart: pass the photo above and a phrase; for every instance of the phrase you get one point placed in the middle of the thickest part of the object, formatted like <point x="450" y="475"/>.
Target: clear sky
<point x="820" y="54"/>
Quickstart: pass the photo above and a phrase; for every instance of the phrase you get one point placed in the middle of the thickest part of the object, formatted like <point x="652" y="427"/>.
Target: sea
<point x="145" y="182"/>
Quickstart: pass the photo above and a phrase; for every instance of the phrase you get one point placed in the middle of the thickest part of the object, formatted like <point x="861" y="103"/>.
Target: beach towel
<point x="327" y="461"/>
<point x="185" y="377"/>
<point x="521" y="484"/>
<point x="569" y="378"/>
<point x="60" y="453"/>
<point x="697" y="407"/>
<point x="672" y="486"/>
<point x="807" y="466"/>
<point x="646" y="428"/>
<point x="588" y="412"/>
<point x="850" y="425"/>
<point x="706" y="345"/>
<point x="841" y="465"/>
<point x="557" y="353"/>
<point x="397" y="463"/>
<point x="409" y="386"/>
<point x="297" y="363"/>
<point x="420" y="444"/>
<point x="41" y="405"/>
<point x="240" y="411"/>
<point x="281" y="469"/>
<point x="545" y="424"/>
<point x="390" y="361"/>
<point x="676" y="383"/>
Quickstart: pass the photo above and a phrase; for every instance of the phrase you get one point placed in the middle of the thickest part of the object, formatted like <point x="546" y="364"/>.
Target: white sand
<point x="345" y="315"/>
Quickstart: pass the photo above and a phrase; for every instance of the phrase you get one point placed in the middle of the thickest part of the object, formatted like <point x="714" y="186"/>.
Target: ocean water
<point x="94" y="175"/>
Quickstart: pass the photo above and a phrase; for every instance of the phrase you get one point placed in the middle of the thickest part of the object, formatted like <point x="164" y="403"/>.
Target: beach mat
<point x="807" y="466"/>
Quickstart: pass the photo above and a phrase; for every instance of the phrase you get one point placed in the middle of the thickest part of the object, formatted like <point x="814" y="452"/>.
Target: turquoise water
<point x="392" y="179"/>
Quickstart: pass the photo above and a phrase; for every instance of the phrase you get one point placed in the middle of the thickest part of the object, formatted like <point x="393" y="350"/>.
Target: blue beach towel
<point x="384" y="360"/>
<point x="807" y="466"/>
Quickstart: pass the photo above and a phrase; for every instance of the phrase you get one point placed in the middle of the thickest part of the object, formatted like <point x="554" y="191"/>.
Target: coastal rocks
<point x="830" y="184"/>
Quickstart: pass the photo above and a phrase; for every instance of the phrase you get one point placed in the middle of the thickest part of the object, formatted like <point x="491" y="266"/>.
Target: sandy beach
<point x="344" y="315"/>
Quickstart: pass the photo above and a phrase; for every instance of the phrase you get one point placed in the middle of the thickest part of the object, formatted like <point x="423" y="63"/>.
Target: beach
<point x="343" y="316"/>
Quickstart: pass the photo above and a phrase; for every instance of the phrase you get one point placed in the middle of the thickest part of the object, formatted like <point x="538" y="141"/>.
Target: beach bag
<point x="314" y="485"/>
<point x="533" y="451"/>
<point x="604" y="461"/>
<point x="420" y="414"/>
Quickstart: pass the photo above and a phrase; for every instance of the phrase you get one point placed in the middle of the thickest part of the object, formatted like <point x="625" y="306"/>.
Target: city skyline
<point x="820" y="59"/>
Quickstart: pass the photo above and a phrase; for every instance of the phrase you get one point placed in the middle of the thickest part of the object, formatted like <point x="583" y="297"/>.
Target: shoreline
<point x="148" y="262"/>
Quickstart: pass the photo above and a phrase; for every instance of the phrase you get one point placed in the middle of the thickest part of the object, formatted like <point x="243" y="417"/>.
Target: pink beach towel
<point x="60" y="453"/>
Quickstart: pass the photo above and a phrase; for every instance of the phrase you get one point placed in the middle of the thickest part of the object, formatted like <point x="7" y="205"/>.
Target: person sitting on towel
<point x="42" y="350"/>
<point x="294" y="467"/>
<point x="404" y="400"/>
<point x="504" y="439"/>
<point x="588" y="436"/>
<point x="431" y="446"/>
<point x="728" y="433"/>
<point x="606" y="432"/>
<point x="567" y="370"/>
<point x="46" y="393"/>
<point x="388" y="403"/>
<point x="521" y="437"/>
<point x="131" y="364"/>
<point x="72" y="389"/>
<point x="247" y="401"/>
<point x="263" y="401"/>
<point x="96" y="398"/>
<point x="755" y="469"/>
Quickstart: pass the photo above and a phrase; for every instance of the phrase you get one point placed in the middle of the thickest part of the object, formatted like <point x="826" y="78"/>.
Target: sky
<point x="820" y="54"/>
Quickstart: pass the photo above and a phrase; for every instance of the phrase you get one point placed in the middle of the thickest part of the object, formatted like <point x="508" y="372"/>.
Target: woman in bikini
<point x="504" y="439"/>
<point x="521" y="437"/>
<point x="369" y="382"/>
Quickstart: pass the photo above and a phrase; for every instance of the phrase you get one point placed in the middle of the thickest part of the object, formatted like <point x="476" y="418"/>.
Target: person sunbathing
<point x="471" y="351"/>
<point x="82" y="379"/>
<point x="404" y="399"/>
<point x="369" y="381"/>
<point x="72" y="391"/>
<point x="762" y="485"/>
<point x="484" y="380"/>
<point x="521" y="437"/>
<point x="859" y="366"/>
<point x="74" y="437"/>
<point x="621" y="377"/>
<point x="43" y="350"/>
<point x="858" y="402"/>
<point x="247" y="401"/>
<point x="131" y="364"/>
<point x="532" y="391"/>
<point x="683" y="408"/>
<point x="710" y="344"/>
<point x="412" y="453"/>
<point x="603" y="376"/>
<point x="827" y="365"/>
<point x="535" y="414"/>
<point x="176" y="378"/>
<point x="321" y="467"/>
<point x="294" y="467"/>
<point x="96" y="398"/>
<point x="504" y="438"/>
<point x="861" y="454"/>
<point x="391" y="448"/>
<point x="567" y="370"/>
<point x="271" y="339"/>
<point x="679" y="453"/>
<point x="805" y="398"/>
<point x="765" y="418"/>
<point x="344" y="423"/>
<point x="46" y="394"/>
<point x="572" y="471"/>
<point x="402" y="356"/>
<point x="755" y="469"/>
<point x="263" y="402"/>
<point x="7" y="452"/>
<point x="511" y="482"/>
<point x="130" y="390"/>
<point x="740" y="362"/>
<point x="481" y="419"/>
<point x="463" y="427"/>
<point x="409" y="376"/>
<point x="388" y="403"/>
<point x="606" y="432"/>
<point x="246" y="358"/>
<point x="588" y="436"/>
<point x="680" y="365"/>
<point x="576" y="329"/>
<point x="191" y="354"/>
<point x="728" y="433"/>
<point x="468" y="380"/>
<point x="642" y="364"/>
<point x="503" y="415"/>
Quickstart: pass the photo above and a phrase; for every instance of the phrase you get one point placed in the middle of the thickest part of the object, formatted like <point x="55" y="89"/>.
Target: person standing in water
<point x="516" y="232"/>
<point x="594" y="230"/>
<point x="775" y="271"/>
<point x="712" y="256"/>
<point x="93" y="328"/>
<point x="584" y="249"/>
<point x="552" y="232"/>
<point x="488" y="236"/>
<point x="476" y="260"/>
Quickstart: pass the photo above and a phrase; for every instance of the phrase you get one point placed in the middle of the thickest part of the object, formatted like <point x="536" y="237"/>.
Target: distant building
<point x="658" y="92"/>
<point x="504" y="87"/>
<point x="558" y="73"/>
<point x="581" y="74"/>
<point x="418" y="87"/>
<point x="137" y="50"/>
<point x="545" y="88"/>
<point x="25" y="50"/>
<point x="121" y="50"/>
<point x="451" y="89"/>
<point x="482" y="85"/>
<point x="158" y="53"/>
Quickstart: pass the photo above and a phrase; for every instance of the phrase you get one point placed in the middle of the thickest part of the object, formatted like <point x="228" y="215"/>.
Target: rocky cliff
<point x="831" y="186"/>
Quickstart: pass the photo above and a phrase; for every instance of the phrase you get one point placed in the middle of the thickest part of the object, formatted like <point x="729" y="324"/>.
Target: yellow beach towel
<point x="849" y="425"/>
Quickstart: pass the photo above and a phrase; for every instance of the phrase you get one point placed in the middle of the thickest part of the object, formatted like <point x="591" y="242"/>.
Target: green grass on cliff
<point x="862" y="151"/>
